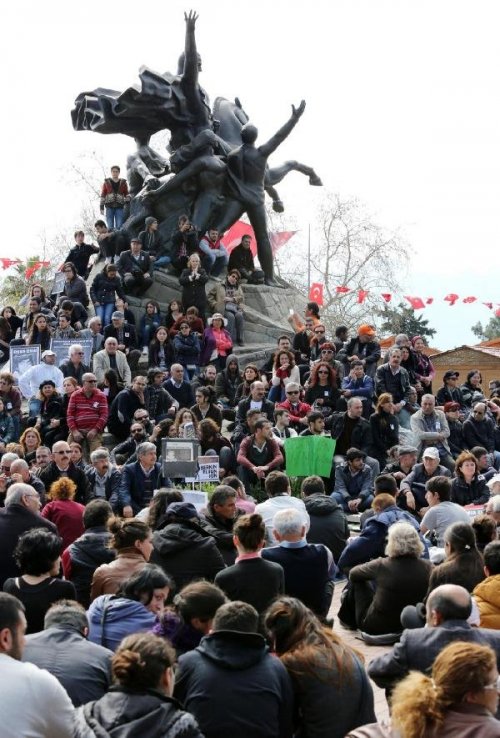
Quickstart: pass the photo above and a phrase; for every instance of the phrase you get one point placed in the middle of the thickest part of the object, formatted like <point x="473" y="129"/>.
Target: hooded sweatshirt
<point x="328" y="523"/>
<point x="236" y="664"/>
<point x="226" y="383"/>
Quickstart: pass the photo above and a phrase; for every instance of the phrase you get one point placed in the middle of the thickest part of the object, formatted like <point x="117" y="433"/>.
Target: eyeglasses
<point x="327" y="351"/>
<point x="91" y="381"/>
<point x="293" y="392"/>
<point x="323" y="371"/>
<point x="5" y="468"/>
<point x="137" y="430"/>
<point x="319" y="331"/>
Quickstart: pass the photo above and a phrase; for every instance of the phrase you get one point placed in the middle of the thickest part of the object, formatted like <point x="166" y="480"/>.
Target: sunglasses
<point x="319" y="331"/>
<point x="323" y="371"/>
<point x="293" y="392"/>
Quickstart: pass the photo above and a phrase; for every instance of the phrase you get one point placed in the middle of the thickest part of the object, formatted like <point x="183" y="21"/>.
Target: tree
<point x="489" y="331"/>
<point x="17" y="284"/>
<point x="402" y="319"/>
<point x="348" y="248"/>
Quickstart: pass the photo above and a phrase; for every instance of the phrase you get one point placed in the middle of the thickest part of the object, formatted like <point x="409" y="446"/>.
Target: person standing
<point x="114" y="196"/>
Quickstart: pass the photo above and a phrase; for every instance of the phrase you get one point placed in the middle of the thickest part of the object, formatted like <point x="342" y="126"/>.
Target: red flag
<point x="497" y="312"/>
<point x="386" y="296"/>
<point x="316" y="293"/>
<point x="429" y="301"/>
<point x="342" y="290"/>
<point x="362" y="295"/>
<point x="451" y="298"/>
<point x="7" y="263"/>
<point x="469" y="299"/>
<point x="416" y="302"/>
<point x="488" y="305"/>
<point x="33" y="268"/>
<point x="233" y="236"/>
<point x="280" y="238"/>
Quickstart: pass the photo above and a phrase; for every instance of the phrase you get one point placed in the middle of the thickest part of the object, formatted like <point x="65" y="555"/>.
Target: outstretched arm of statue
<point x="190" y="74"/>
<point x="278" y="138"/>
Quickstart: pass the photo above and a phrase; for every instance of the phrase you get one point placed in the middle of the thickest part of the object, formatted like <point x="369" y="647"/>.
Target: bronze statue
<point x="214" y="173"/>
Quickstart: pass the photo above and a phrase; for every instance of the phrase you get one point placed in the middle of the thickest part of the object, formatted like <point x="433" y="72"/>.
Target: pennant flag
<point x="386" y="296"/>
<point x="35" y="267"/>
<point x="7" y="263"/>
<point x="488" y="305"/>
<point x="279" y="239"/>
<point x="469" y="299"/>
<point x="429" y="301"/>
<point x="362" y="295"/>
<point x="316" y="293"/>
<point x="497" y="313"/>
<point x="416" y="302"/>
<point x="451" y="298"/>
<point x="342" y="290"/>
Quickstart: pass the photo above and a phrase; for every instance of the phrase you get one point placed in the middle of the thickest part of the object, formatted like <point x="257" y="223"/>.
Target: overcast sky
<point x="402" y="111"/>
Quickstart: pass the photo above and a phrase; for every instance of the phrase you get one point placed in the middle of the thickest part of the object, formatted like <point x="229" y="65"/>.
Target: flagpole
<point x="309" y="256"/>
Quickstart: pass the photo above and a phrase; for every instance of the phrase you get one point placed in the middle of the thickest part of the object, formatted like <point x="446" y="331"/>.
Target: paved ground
<point x="369" y="652"/>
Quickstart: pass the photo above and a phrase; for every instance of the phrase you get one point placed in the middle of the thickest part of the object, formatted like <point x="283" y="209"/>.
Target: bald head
<point x="448" y="602"/>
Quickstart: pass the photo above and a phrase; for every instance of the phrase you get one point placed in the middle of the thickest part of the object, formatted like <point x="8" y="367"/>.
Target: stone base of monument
<point x="266" y="312"/>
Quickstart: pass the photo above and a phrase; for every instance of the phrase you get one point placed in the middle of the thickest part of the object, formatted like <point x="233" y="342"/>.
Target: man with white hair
<point x="309" y="568"/>
<point x="104" y="478"/>
<point x="74" y="366"/>
<point x="430" y="428"/>
<point x="21" y="513"/>
<point x="393" y="378"/>
<point x="111" y="358"/>
<point x="139" y="481"/>
<point x="20" y="472"/>
<point x="30" y="381"/>
<point x="492" y="508"/>
<point x="93" y="332"/>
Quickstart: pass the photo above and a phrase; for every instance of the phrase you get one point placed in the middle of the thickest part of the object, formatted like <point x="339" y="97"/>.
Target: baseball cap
<point x="48" y="352"/>
<point x="184" y="510"/>
<point x="449" y="374"/>
<point x="431" y="453"/>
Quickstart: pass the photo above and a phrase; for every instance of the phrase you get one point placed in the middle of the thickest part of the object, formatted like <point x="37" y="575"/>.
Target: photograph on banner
<point x="308" y="455"/>
<point x="58" y="283"/>
<point x="60" y="346"/>
<point x="23" y="358"/>
<point x="208" y="470"/>
<point x="179" y="457"/>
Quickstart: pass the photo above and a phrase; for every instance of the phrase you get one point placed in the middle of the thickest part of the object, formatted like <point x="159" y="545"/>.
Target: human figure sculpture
<point x="246" y="170"/>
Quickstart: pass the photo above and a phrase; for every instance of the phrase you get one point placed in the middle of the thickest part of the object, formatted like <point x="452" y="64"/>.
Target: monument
<point x="214" y="172"/>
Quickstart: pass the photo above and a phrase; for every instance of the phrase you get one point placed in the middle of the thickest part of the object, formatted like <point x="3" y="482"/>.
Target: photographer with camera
<point x="184" y="243"/>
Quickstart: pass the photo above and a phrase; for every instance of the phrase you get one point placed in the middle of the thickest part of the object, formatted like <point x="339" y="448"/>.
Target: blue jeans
<point x="277" y="393"/>
<point x="104" y="312"/>
<point x="364" y="505"/>
<point x="214" y="264"/>
<point x="114" y="217"/>
<point x="34" y="407"/>
<point x="161" y="262"/>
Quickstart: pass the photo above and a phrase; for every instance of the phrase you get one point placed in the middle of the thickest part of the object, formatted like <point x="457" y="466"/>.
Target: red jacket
<point x="87" y="413"/>
<point x="296" y="413"/>
<point x="67" y="516"/>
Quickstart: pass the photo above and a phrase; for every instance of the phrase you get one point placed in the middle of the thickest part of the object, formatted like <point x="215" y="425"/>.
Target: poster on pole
<point x="23" y="358"/>
<point x="208" y="470"/>
<point x="60" y="346"/>
<point x="58" y="283"/>
<point x="180" y="457"/>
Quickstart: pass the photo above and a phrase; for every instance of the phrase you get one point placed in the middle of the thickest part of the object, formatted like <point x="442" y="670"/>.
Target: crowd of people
<point x="144" y="614"/>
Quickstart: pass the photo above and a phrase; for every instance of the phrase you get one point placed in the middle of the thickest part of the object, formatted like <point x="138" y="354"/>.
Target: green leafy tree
<point x="402" y="319"/>
<point x="489" y="331"/>
<point x="17" y="284"/>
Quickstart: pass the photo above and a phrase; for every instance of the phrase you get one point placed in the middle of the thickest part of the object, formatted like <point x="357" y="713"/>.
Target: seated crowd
<point x="117" y="578"/>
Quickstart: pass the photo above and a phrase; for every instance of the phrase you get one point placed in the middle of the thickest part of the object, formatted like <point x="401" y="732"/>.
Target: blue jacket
<point x="359" y="387"/>
<point x="370" y="544"/>
<point x="111" y="618"/>
<point x="187" y="349"/>
<point x="359" y="485"/>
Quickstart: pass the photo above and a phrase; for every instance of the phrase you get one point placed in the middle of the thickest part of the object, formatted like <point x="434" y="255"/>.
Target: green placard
<point x="306" y="455"/>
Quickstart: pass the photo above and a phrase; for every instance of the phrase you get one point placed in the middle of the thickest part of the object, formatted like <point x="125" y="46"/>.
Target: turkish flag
<point x="362" y="295"/>
<point x="429" y="301"/>
<point x="470" y="299"/>
<point x="386" y="296"/>
<point x="316" y="293"/>
<point x="342" y="290"/>
<point x="416" y="302"/>
<point x="497" y="312"/>
<point x="7" y="263"/>
<point x="279" y="239"/>
<point x="488" y="305"/>
<point x="451" y="298"/>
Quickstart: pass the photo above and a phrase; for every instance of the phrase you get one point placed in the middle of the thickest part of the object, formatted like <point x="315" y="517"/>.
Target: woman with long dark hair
<point x="51" y="421"/>
<point x="160" y="349"/>
<point x="15" y="322"/>
<point x="212" y="442"/>
<point x="40" y="333"/>
<point x="322" y="393"/>
<point x="385" y="429"/>
<point x="471" y="387"/>
<point x="250" y="374"/>
<point x="75" y="287"/>
<point x="284" y="371"/>
<point x="332" y="689"/>
<point x="174" y="312"/>
<point x="105" y="289"/>
<point x="205" y="406"/>
<point x="149" y="323"/>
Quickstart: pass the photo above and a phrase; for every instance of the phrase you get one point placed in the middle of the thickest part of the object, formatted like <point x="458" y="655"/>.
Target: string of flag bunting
<point x="32" y="265"/>
<point x="316" y="294"/>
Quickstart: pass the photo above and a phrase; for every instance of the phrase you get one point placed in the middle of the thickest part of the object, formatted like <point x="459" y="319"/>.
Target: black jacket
<point x="476" y="493"/>
<point x="104" y="289"/>
<point x="193" y="291"/>
<point x="121" y="412"/>
<point x="83" y="556"/>
<point x="111" y="485"/>
<point x="456" y="438"/>
<point x="186" y="552"/>
<point x="397" y="385"/>
<point x="51" y="474"/>
<point x="129" y="335"/>
<point x="80" y="255"/>
<point x="369" y="351"/>
<point x="244" y="407"/>
<point x="14" y="521"/>
<point x="479" y="433"/>
<point x="127" y="264"/>
<point x="236" y="664"/>
<point x="385" y="434"/>
<point x="361" y="435"/>
<point x="255" y="581"/>
<point x="124" y="714"/>
<point x="222" y="530"/>
<point x="83" y="668"/>
<point x="69" y="370"/>
<point x="450" y="394"/>
<point x="328" y="523"/>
